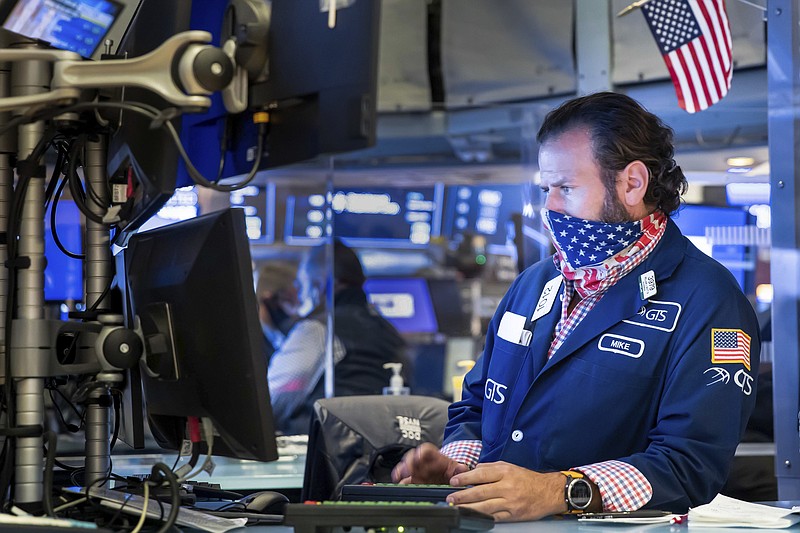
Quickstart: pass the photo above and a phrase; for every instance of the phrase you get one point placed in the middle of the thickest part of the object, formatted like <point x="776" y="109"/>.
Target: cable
<point x="78" y="194"/>
<point x="223" y="146"/>
<point x="116" y="396"/>
<point x="158" y="118"/>
<point x="72" y="428"/>
<point x="54" y="225"/>
<point x="81" y="416"/>
<point x="64" y="466"/>
<point x="47" y="489"/>
<point x="198" y="177"/>
<point x="208" y="431"/>
<point x="174" y="489"/>
<point x="193" y="424"/>
<point x="100" y="298"/>
<point x="142" y="518"/>
<point x="61" y="153"/>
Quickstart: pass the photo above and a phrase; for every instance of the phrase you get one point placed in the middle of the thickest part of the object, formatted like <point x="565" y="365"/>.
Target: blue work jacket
<point x="638" y="380"/>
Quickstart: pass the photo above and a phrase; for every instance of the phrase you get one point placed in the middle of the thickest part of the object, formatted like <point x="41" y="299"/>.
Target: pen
<point x="679" y="519"/>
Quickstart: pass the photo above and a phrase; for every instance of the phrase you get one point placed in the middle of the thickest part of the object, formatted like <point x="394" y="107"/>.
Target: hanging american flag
<point x="695" y="41"/>
<point x="730" y="346"/>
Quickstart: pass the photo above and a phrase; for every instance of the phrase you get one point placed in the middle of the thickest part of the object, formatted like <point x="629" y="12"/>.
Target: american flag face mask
<point x="583" y="243"/>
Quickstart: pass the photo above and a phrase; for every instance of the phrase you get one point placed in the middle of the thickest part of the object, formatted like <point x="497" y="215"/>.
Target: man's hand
<point x="510" y="493"/>
<point x="424" y="464"/>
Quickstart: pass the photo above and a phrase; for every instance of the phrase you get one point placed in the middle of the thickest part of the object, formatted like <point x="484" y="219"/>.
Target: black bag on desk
<point x="355" y="439"/>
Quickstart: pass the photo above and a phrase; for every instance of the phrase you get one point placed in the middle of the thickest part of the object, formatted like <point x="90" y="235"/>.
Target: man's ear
<point x="632" y="183"/>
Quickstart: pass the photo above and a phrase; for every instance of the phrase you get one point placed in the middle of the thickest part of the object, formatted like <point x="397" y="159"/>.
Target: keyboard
<point x="393" y="492"/>
<point x="313" y="517"/>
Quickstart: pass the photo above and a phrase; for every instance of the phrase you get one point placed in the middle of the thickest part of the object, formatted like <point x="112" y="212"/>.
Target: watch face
<point x="580" y="493"/>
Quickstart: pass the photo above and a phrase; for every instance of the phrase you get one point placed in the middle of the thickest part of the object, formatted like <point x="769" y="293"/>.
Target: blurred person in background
<point x="363" y="341"/>
<point x="278" y="302"/>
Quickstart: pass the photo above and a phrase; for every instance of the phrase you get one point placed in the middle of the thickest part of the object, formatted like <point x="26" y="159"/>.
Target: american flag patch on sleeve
<point x="730" y="346"/>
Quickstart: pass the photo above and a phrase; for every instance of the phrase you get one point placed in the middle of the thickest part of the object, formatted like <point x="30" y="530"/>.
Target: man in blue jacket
<point x="618" y="374"/>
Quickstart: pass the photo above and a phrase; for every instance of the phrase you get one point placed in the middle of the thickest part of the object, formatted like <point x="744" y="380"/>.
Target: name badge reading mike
<point x="547" y="298"/>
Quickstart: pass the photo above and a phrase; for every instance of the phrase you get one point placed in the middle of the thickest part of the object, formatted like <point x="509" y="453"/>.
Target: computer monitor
<point x="79" y="26"/>
<point x="258" y="203"/>
<point x="384" y="217"/>
<point x="449" y="306"/>
<point x="320" y="87"/>
<point x="693" y="220"/>
<point x="485" y="210"/>
<point x="191" y="286"/>
<point x="404" y="302"/>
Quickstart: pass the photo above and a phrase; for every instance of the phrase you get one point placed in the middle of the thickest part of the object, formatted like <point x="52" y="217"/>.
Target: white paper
<point x="133" y="504"/>
<point x="511" y="326"/>
<point x="730" y="512"/>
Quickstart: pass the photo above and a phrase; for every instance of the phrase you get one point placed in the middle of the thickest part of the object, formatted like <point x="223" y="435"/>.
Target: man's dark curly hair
<point x="623" y="131"/>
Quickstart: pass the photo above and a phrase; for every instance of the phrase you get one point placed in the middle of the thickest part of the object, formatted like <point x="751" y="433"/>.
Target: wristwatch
<point x="577" y="492"/>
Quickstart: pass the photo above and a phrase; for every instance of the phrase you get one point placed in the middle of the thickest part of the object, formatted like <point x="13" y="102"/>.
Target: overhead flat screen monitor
<point x="79" y="26"/>
<point x="693" y="221"/>
<point x="320" y="88"/>
<point x="483" y="210"/>
<point x="389" y="217"/>
<point x="405" y="302"/>
<point x="63" y="277"/>
<point x="191" y="286"/>
<point x="258" y="203"/>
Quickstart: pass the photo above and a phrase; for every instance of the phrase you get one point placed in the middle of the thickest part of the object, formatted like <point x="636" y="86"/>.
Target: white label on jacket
<point x="662" y="316"/>
<point x="546" y="299"/>
<point x="647" y="285"/>
<point x="621" y="345"/>
<point x="494" y="391"/>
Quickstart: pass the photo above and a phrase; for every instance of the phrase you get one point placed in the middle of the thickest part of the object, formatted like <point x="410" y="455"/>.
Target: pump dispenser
<point x="396" y="387"/>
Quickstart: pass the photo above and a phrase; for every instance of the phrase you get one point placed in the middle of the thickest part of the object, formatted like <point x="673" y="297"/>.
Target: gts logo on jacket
<point x="493" y="391"/>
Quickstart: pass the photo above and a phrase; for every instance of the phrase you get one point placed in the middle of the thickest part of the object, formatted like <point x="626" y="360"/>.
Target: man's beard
<point x="613" y="208"/>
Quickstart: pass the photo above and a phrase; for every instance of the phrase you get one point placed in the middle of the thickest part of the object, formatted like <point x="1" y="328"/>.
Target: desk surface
<point x="566" y="526"/>
<point x="231" y="474"/>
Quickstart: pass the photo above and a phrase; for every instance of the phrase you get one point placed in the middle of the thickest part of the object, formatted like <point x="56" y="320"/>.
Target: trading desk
<point x="558" y="525"/>
<point x="231" y="474"/>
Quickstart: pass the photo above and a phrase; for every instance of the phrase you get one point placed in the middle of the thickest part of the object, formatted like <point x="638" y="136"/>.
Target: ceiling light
<point x="740" y="161"/>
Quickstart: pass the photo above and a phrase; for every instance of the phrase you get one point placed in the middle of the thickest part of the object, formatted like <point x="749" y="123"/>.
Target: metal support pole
<point x="593" y="45"/>
<point x="30" y="77"/>
<point x="783" y="70"/>
<point x="99" y="273"/>
<point x="329" y="376"/>
<point x="8" y="146"/>
<point x="98" y="453"/>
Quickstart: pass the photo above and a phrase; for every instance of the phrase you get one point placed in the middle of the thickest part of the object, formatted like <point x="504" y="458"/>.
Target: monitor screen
<point x="449" y="307"/>
<point x="693" y="220"/>
<point x="63" y="277"/>
<point x="258" y="203"/>
<point x="405" y="302"/>
<point x="483" y="210"/>
<point x="75" y="25"/>
<point x="390" y="217"/>
<point x="200" y="361"/>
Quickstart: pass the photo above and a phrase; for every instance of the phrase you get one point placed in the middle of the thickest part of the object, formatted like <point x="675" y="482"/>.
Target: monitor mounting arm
<point x="184" y="71"/>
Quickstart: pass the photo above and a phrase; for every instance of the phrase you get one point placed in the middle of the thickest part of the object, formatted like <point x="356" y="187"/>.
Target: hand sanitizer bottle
<point x="396" y="386"/>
